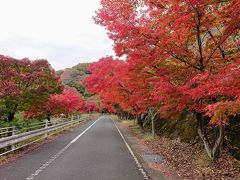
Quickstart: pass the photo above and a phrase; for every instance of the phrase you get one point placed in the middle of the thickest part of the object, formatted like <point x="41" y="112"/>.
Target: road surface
<point x="94" y="151"/>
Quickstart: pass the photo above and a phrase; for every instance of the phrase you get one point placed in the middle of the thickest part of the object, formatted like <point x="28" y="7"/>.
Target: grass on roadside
<point x="133" y="127"/>
<point x="148" y="137"/>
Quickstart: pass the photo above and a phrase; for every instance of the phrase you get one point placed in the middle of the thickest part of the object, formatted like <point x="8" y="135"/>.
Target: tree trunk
<point x="153" y="115"/>
<point x="11" y="116"/>
<point x="134" y="120"/>
<point x="12" y="113"/>
<point x="213" y="150"/>
<point x="140" y="120"/>
<point x="127" y="116"/>
<point x="153" y="127"/>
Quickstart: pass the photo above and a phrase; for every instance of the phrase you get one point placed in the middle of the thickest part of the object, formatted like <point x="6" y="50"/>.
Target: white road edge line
<point x="47" y="163"/>
<point x="140" y="167"/>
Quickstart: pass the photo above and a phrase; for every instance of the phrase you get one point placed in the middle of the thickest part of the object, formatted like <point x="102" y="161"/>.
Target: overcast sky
<point x="61" y="31"/>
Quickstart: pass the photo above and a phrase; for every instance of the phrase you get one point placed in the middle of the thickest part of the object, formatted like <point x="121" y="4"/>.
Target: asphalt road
<point x="94" y="151"/>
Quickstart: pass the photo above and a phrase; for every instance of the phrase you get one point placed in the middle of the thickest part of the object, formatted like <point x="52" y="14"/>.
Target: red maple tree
<point x="67" y="103"/>
<point x="25" y="83"/>
<point x="180" y="55"/>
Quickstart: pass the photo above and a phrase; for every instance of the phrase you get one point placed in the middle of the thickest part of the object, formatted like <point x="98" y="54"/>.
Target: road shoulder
<point x="153" y="163"/>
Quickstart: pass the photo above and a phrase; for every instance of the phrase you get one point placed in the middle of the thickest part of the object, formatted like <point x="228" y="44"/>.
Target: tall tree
<point x="25" y="83"/>
<point x="170" y="48"/>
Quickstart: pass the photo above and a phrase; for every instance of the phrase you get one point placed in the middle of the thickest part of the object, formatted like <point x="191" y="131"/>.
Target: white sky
<point x="61" y="31"/>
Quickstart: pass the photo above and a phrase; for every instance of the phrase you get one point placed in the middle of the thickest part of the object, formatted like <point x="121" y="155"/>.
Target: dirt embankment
<point x="189" y="160"/>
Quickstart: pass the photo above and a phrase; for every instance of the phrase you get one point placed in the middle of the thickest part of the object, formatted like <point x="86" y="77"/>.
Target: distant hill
<point x="73" y="77"/>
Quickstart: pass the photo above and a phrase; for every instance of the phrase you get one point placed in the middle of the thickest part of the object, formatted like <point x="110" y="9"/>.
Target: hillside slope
<point x="73" y="77"/>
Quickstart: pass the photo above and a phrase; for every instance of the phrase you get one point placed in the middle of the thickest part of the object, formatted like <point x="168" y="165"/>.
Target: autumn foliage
<point x="180" y="55"/>
<point x="91" y="106"/>
<point x="33" y="88"/>
<point x="25" y="83"/>
<point x="66" y="103"/>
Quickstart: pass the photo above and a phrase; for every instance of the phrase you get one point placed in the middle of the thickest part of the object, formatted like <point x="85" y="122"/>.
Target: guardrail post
<point x="72" y="118"/>
<point x="13" y="133"/>
<point x="78" y="117"/>
<point x="46" y="125"/>
<point x="72" y="125"/>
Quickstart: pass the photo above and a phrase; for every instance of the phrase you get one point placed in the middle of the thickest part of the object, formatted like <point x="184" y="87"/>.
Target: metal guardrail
<point x="10" y="142"/>
<point x="6" y="131"/>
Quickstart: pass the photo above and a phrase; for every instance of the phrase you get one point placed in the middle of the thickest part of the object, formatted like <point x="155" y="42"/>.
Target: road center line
<point x="140" y="167"/>
<point x="47" y="163"/>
